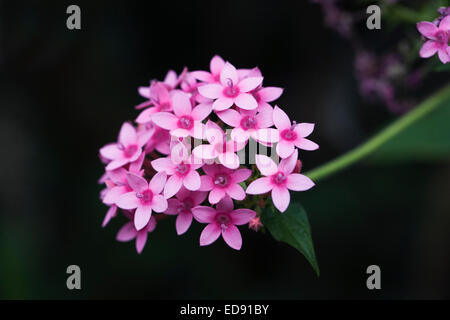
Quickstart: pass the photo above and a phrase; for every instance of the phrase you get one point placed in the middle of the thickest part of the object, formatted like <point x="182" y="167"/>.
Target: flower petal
<point x="216" y="65"/>
<point x="281" y="198"/>
<point x="204" y="214"/>
<point x="232" y="237"/>
<point x="164" y="164"/>
<point x="270" y="94"/>
<point x="428" y="49"/>
<point x="226" y="204"/>
<point x="172" y="207"/>
<point x="137" y="183"/>
<point x="141" y="240"/>
<point x="165" y="120"/>
<point x="288" y="164"/>
<point x="230" y="117"/>
<point x="113" y="194"/>
<point x="192" y="181"/>
<point x="142" y="216"/>
<point x="215" y="195"/>
<point x="280" y="119"/>
<point x="265" y="115"/>
<point x="159" y="203"/>
<point x="204" y="151"/>
<point x="267" y="135"/>
<point x="181" y="104"/>
<point x="306" y="144"/>
<point x="299" y="182"/>
<point x="201" y="111"/>
<point x="211" y="91"/>
<point x="146" y="115"/>
<point x="127" y="232"/>
<point x="183" y="222"/>
<point x="427" y="29"/>
<point x="250" y="83"/>
<point x="111" y="151"/>
<point x="241" y="175"/>
<point x="445" y="23"/>
<point x="236" y="192"/>
<point x="127" y="134"/>
<point x="285" y="148"/>
<point x="210" y="234"/>
<point x="266" y="165"/>
<point x="111" y="213"/>
<point x="222" y="103"/>
<point x="246" y="101"/>
<point x="157" y="183"/>
<point x="229" y="159"/>
<point x="260" y="186"/>
<point x="173" y="185"/>
<point x="228" y="73"/>
<point x="128" y="201"/>
<point x="206" y="183"/>
<point x="242" y="216"/>
<point x="443" y="56"/>
<point x="304" y="129"/>
<point x="115" y="164"/>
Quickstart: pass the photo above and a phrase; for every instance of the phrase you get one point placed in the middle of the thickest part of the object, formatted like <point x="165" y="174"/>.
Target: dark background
<point x="64" y="94"/>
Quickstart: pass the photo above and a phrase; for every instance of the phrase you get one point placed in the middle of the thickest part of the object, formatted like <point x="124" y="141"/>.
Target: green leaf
<point x="427" y="140"/>
<point x="292" y="227"/>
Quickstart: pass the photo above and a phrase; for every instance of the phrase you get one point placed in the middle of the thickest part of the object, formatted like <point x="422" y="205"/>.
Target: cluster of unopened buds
<point x="437" y="35"/>
<point x="186" y="155"/>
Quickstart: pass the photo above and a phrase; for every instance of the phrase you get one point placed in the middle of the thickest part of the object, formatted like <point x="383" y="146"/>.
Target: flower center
<point x="248" y="122"/>
<point x="221" y="180"/>
<point x="441" y="36"/>
<point x="185" y="206"/>
<point x="186" y="122"/>
<point x="289" y="134"/>
<point x="231" y="90"/>
<point x="146" y="197"/>
<point x="223" y="219"/>
<point x="279" y="178"/>
<point x="130" y="151"/>
<point x="182" y="169"/>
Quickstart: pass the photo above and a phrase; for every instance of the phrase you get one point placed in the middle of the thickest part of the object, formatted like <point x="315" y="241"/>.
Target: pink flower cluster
<point x="151" y="171"/>
<point x="437" y="35"/>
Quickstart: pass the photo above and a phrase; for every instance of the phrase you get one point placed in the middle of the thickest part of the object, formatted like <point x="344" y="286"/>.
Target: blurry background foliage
<point x="64" y="94"/>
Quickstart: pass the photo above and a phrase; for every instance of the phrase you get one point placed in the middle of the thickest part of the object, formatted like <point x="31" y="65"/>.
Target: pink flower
<point x="438" y="39"/>
<point x="219" y="147"/>
<point x="291" y="135"/>
<point x="182" y="207"/>
<point x="279" y="179"/>
<point x="159" y="139"/>
<point x="222" y="220"/>
<point x="250" y="123"/>
<point x="127" y="150"/>
<point x="182" y="172"/>
<point x="118" y="183"/>
<point x="231" y="90"/>
<point x="255" y="224"/>
<point x="129" y="232"/>
<point x="186" y="121"/>
<point x="221" y="181"/>
<point x="265" y="95"/>
<point x="215" y="66"/>
<point x="159" y="96"/>
<point x="145" y="197"/>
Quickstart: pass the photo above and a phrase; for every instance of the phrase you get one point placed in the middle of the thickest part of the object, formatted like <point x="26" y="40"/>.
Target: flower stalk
<point x="367" y="148"/>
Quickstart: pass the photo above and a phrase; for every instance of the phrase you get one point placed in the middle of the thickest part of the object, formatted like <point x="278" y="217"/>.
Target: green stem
<point x="374" y="143"/>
